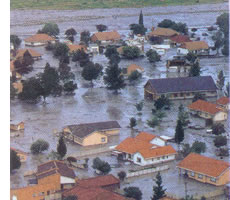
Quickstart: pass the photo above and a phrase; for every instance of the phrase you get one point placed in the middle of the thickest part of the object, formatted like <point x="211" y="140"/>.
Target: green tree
<point x="31" y="91"/>
<point x="60" y="49"/>
<point x="156" y="40"/>
<point x="153" y="56"/>
<point x="91" y="71"/>
<point x="179" y="27"/>
<point x="225" y="50"/>
<point x="135" y="75"/>
<point x="153" y="122"/>
<point x="179" y="132"/>
<point x="132" y="122"/>
<point x="121" y="175"/>
<point x="166" y="23"/>
<point x="65" y="73"/>
<point x="70" y="32"/>
<point x="101" y="27"/>
<point x="131" y="52"/>
<point x="158" y="190"/>
<point x="133" y="192"/>
<point x="101" y="165"/>
<point x="195" y="70"/>
<point x="15" y="40"/>
<point x="220" y="141"/>
<point x="198" y="96"/>
<point x="113" y="78"/>
<point x="15" y="162"/>
<point x="223" y="22"/>
<point x="218" y="129"/>
<point x="85" y="37"/>
<point x="221" y="80"/>
<point x="39" y="146"/>
<point x="219" y="41"/>
<point x="139" y="106"/>
<point x="50" y="29"/>
<point x="191" y="57"/>
<point x="13" y="91"/>
<point x="137" y="29"/>
<point x="161" y="102"/>
<point x="227" y="90"/>
<point x="112" y="54"/>
<point x="141" y="20"/>
<point x="81" y="57"/>
<point x="183" y="116"/>
<point x="69" y="87"/>
<point x="198" y="147"/>
<point x="61" y="147"/>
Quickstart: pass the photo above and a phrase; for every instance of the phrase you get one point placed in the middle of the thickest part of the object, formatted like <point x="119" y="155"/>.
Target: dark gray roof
<point x="181" y="84"/>
<point x="82" y="130"/>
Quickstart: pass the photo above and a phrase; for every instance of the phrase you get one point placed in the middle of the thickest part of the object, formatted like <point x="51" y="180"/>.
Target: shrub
<point x="220" y="141"/>
<point x="121" y="175"/>
<point x="194" y="29"/>
<point x="39" y="146"/>
<point x="135" y="75"/>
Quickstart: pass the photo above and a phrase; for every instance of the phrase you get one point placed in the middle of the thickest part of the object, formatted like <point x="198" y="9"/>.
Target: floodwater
<point x="99" y="104"/>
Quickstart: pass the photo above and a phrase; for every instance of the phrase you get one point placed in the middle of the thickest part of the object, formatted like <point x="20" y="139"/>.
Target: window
<point x="200" y="176"/>
<point x="192" y="174"/>
<point x="103" y="139"/>
<point x="158" y="158"/>
<point x="129" y="155"/>
<point x="213" y="180"/>
<point x="163" y="157"/>
<point x="138" y="160"/>
<point x="167" y="157"/>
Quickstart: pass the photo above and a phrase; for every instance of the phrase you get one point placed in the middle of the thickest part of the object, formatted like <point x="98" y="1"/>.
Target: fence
<point x="147" y="171"/>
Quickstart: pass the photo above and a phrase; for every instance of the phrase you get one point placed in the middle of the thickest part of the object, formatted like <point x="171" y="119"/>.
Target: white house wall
<point x="67" y="180"/>
<point x="158" y="141"/>
<point x="220" y="116"/>
<point x="182" y="51"/>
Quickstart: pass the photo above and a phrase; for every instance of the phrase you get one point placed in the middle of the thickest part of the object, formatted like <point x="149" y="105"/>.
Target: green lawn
<point x="86" y="4"/>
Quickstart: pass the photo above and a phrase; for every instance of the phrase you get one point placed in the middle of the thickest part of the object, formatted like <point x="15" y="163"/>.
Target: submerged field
<point x="83" y="4"/>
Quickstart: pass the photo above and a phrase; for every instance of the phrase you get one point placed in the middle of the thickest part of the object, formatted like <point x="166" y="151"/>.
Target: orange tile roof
<point x="145" y="136"/>
<point x="18" y="151"/>
<point x="33" y="53"/>
<point x="18" y="86"/>
<point x="204" y="106"/>
<point x="113" y="35"/>
<point x="223" y="101"/>
<point x="133" y="67"/>
<point x="75" y="47"/>
<point x="195" y="45"/>
<point x="203" y="165"/>
<point x="39" y="38"/>
<point x="163" y="32"/>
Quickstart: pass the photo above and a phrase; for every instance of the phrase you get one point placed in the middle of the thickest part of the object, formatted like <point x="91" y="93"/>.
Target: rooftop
<point x="223" y="101"/>
<point x="75" y="47"/>
<point x="39" y="38"/>
<point x="113" y="35"/>
<point x="195" y="45"/>
<point x="33" y="53"/>
<point x="180" y="38"/>
<point x="163" y="32"/>
<point x="204" y="165"/>
<point x="133" y="67"/>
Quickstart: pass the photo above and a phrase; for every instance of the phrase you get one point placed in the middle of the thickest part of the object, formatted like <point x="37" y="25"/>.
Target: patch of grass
<point x="86" y="4"/>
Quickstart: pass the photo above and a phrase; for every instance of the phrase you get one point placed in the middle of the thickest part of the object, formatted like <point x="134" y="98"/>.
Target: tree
<point x="65" y="73"/>
<point x="191" y="57"/>
<point x="31" y="91"/>
<point x="24" y="65"/>
<point x="61" y="147"/>
<point x="220" y="141"/>
<point x="158" y="190"/>
<point x="227" y="90"/>
<point x="183" y="115"/>
<point x="221" y="80"/>
<point x="153" y="122"/>
<point x="179" y="132"/>
<point x="179" y="27"/>
<point x="139" y="107"/>
<point x="71" y="197"/>
<point x="198" y="96"/>
<point x="50" y="29"/>
<point x="111" y="52"/>
<point x="39" y="146"/>
<point x="102" y="166"/>
<point x="69" y="87"/>
<point x="153" y="56"/>
<point x="195" y="70"/>
<point x="135" y="75"/>
<point x="70" y="32"/>
<point x="133" y="192"/>
<point x="13" y="91"/>
<point x="132" y="122"/>
<point x="85" y="37"/>
<point x="137" y="29"/>
<point x="219" y="41"/>
<point x="161" y="102"/>
<point x="156" y="40"/>
<point x="101" y="27"/>
<point x="121" y="175"/>
<point x="225" y="50"/>
<point x="81" y="57"/>
<point x="131" y="52"/>
<point x="218" y="129"/>
<point x="141" y="20"/>
<point x="15" y="40"/>
<point x="91" y="71"/>
<point x="15" y="162"/>
<point x="61" y="49"/>
<point x="198" y="147"/>
<point x="113" y="78"/>
<point x="223" y="22"/>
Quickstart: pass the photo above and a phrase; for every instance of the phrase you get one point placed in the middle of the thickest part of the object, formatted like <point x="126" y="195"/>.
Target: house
<point x="160" y="48"/>
<point x="17" y="127"/>
<point x="39" y="39"/>
<point x="224" y="102"/>
<point x="101" y="187"/>
<point x="135" y="43"/>
<point x="178" y="62"/>
<point x="208" y="110"/>
<point x="196" y="47"/>
<point x="91" y="133"/>
<point x="93" y="48"/>
<point x="145" y="149"/>
<point x="131" y="68"/>
<point x="180" y="88"/>
<point x="34" y="54"/>
<point x="178" y="40"/>
<point x="74" y="47"/>
<point x="205" y="169"/>
<point x="22" y="155"/>
<point x="106" y="37"/>
<point x="164" y="33"/>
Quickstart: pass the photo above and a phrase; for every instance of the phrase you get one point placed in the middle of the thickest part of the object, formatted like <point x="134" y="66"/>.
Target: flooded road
<point x="97" y="103"/>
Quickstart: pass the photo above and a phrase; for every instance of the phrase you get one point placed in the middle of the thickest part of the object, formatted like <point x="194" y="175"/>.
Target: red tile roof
<point x="101" y="36"/>
<point x="145" y="136"/>
<point x="195" y="45"/>
<point x="33" y="53"/>
<point x="204" y="106"/>
<point x="167" y="32"/>
<point x="39" y="38"/>
<point x="203" y="165"/>
<point x="223" y="101"/>
<point x="75" y="47"/>
<point x="180" y="38"/>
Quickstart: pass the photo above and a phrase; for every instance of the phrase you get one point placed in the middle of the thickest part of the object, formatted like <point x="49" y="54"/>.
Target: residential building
<point x="180" y="88"/>
<point x="39" y="40"/>
<point x="91" y="133"/>
<point x="106" y="38"/>
<point x="93" y="48"/>
<point x="178" y="40"/>
<point x="208" y="110"/>
<point x="205" y="169"/>
<point x="196" y="47"/>
<point x="145" y="149"/>
<point x="178" y="62"/>
<point x="135" y="43"/>
<point x="131" y="68"/>
<point x="34" y="54"/>
<point x="17" y="127"/>
<point x="224" y="102"/>
<point x="160" y="48"/>
<point x="164" y="33"/>
<point x="74" y="47"/>
<point x="21" y="154"/>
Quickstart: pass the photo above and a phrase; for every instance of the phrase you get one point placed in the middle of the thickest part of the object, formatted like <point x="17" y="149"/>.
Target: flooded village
<point x="120" y="103"/>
